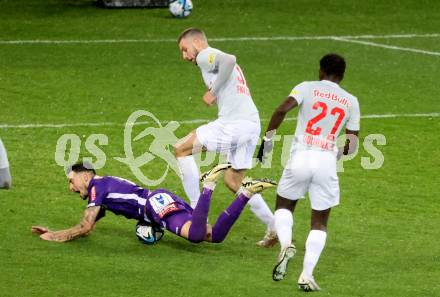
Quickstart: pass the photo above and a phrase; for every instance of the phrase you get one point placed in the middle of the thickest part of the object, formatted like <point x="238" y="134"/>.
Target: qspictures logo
<point x="159" y="149"/>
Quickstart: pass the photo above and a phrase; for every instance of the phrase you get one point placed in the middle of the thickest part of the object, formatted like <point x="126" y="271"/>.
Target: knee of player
<point x="195" y="236"/>
<point x="178" y="152"/>
<point x="216" y="236"/>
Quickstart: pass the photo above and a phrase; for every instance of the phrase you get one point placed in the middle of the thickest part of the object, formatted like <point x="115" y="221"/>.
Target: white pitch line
<point x="220" y="39"/>
<point x="198" y="121"/>
<point x="404" y="115"/>
<point x="406" y="49"/>
<point x="392" y="36"/>
<point x="90" y="41"/>
<point x="329" y="37"/>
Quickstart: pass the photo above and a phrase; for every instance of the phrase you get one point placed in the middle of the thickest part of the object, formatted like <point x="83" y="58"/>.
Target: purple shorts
<point x="175" y="221"/>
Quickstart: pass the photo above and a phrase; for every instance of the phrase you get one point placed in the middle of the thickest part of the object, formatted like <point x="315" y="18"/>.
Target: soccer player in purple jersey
<point x="160" y="207"/>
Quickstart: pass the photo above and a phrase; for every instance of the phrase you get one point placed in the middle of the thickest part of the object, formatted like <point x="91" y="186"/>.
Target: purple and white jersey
<point x="120" y="196"/>
<point x="123" y="197"/>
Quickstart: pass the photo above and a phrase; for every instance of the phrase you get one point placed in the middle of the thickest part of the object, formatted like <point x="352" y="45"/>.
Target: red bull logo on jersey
<point x="331" y="96"/>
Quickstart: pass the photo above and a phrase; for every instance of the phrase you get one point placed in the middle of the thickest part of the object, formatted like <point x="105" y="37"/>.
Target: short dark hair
<point x="81" y="167"/>
<point x="191" y="32"/>
<point x="333" y="64"/>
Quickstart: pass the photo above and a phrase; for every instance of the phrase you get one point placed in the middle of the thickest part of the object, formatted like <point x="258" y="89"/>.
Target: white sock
<point x="262" y="211"/>
<point x="5" y="178"/>
<point x="314" y="245"/>
<point x="3" y="156"/>
<point x="283" y="226"/>
<point x="190" y="178"/>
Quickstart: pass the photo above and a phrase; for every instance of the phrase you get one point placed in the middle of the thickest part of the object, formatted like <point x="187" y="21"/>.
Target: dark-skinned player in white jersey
<point x="324" y="109"/>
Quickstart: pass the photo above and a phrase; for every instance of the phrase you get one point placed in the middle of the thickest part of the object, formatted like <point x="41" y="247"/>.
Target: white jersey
<point x="234" y="100"/>
<point x="324" y="109"/>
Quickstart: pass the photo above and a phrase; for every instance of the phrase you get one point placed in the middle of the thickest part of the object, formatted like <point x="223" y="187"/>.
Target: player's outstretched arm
<point x="351" y="143"/>
<point x="280" y="113"/>
<point x="277" y="118"/>
<point x="83" y="228"/>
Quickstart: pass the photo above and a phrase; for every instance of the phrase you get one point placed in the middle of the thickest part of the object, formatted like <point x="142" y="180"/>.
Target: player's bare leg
<point x="233" y="180"/>
<point x="183" y="150"/>
<point x="314" y="245"/>
<point x="284" y="225"/>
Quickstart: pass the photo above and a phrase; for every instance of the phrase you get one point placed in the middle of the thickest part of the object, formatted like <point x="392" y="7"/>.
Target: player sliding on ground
<point x="324" y="109"/>
<point x="159" y="207"/>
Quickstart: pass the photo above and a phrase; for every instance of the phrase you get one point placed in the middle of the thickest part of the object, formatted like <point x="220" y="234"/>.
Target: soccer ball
<point x="181" y="8"/>
<point x="148" y="234"/>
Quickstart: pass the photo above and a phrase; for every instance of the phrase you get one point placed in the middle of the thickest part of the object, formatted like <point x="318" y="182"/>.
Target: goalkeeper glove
<point x="265" y="148"/>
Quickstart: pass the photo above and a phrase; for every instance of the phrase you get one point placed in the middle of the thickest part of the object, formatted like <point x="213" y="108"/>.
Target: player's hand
<point x="209" y="98"/>
<point x="39" y="230"/>
<point x="265" y="148"/>
<point x="50" y="236"/>
<point x="47" y="236"/>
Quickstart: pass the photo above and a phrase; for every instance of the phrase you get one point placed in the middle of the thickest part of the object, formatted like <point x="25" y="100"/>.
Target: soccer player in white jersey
<point x="5" y="174"/>
<point x="324" y="109"/>
<point x="236" y="131"/>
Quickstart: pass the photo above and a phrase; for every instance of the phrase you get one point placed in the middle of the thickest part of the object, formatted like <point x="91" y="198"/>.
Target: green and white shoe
<point x="280" y="270"/>
<point x="212" y="176"/>
<point x="307" y="284"/>
<point x="255" y="186"/>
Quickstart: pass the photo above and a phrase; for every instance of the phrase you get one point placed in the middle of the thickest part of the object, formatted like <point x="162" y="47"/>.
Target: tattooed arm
<point x="82" y="229"/>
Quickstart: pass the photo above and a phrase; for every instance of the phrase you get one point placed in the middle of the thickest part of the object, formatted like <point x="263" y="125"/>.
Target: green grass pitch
<point x="384" y="238"/>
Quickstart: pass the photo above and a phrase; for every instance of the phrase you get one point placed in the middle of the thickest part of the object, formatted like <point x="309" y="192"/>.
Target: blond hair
<point x="191" y="32"/>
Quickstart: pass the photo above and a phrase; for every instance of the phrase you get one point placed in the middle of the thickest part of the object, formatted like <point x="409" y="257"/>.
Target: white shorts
<point x="236" y="139"/>
<point x="3" y="156"/>
<point x="313" y="172"/>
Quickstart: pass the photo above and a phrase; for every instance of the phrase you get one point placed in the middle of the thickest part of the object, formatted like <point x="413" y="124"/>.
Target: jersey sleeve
<point x="225" y="64"/>
<point x="207" y="60"/>
<point x="353" y="122"/>
<point x="299" y="92"/>
<point x="96" y="196"/>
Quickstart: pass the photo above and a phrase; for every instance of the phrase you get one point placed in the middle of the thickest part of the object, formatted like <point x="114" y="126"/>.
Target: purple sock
<point x="197" y="231"/>
<point x="228" y="218"/>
